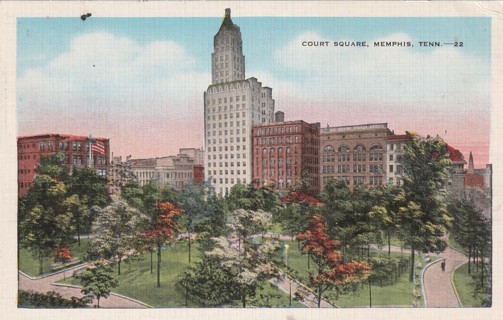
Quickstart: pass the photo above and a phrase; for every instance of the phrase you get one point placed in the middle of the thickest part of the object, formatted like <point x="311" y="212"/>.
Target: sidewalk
<point x="437" y="283"/>
<point x="46" y="284"/>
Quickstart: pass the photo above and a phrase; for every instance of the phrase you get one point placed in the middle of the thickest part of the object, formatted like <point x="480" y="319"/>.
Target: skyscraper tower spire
<point x="228" y="61"/>
<point x="471" y="167"/>
<point x="232" y="106"/>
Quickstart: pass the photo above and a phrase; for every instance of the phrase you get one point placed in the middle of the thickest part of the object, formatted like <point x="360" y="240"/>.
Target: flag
<point x="99" y="147"/>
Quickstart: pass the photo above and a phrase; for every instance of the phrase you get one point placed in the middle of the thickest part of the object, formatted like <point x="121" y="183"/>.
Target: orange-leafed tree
<point x="331" y="270"/>
<point x="162" y="231"/>
<point x="62" y="254"/>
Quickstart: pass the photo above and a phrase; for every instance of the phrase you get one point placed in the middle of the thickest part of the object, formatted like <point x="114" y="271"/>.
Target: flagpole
<point x="90" y="151"/>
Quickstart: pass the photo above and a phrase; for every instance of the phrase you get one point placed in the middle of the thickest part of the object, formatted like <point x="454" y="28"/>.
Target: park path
<point x="46" y="284"/>
<point x="438" y="288"/>
<point x="437" y="284"/>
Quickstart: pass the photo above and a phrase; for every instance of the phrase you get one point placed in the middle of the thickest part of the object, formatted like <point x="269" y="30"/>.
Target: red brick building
<point x="75" y="148"/>
<point x="283" y="151"/>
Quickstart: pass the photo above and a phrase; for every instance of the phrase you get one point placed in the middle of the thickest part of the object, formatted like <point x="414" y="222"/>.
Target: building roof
<point x="356" y="128"/>
<point x="401" y="137"/>
<point x="455" y="155"/>
<point x="59" y="135"/>
<point x="151" y="162"/>
<point x="473" y="180"/>
<point x="227" y="23"/>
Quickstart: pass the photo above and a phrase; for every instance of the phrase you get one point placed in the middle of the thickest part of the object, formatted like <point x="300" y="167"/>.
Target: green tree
<point x="472" y="231"/>
<point x="86" y="188"/>
<point x="423" y="218"/>
<point x="197" y="209"/>
<point x="116" y="228"/>
<point x="207" y="284"/>
<point x="97" y="281"/>
<point x="45" y="223"/>
<point x="252" y="197"/>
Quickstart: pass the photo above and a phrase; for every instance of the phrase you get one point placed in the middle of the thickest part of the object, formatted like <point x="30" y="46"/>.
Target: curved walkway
<point x="438" y="288"/>
<point x="47" y="283"/>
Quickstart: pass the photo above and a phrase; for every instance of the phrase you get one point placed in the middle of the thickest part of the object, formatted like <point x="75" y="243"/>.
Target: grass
<point x="137" y="282"/>
<point x="451" y="242"/>
<point x="464" y="286"/>
<point x="397" y="294"/>
<point x="30" y="265"/>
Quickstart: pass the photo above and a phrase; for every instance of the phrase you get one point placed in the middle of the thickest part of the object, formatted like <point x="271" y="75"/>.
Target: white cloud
<point x="398" y="75"/>
<point x="102" y="73"/>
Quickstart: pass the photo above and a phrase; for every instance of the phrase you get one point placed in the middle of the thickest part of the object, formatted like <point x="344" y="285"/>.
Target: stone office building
<point x="354" y="154"/>
<point x="232" y="105"/>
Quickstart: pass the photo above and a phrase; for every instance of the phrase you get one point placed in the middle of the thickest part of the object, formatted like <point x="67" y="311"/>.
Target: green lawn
<point x="464" y="286"/>
<point x="397" y="294"/>
<point x="137" y="282"/>
<point x="29" y="265"/>
<point x="455" y="245"/>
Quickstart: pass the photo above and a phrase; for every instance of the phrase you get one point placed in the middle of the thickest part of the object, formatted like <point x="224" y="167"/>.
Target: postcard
<point x="251" y="159"/>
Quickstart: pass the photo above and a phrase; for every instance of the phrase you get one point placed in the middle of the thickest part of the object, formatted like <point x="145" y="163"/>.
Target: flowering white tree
<point x="116" y="228"/>
<point x="247" y="223"/>
<point x="247" y="273"/>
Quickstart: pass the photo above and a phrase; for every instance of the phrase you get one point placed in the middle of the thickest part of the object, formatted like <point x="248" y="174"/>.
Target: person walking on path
<point x="438" y="288"/>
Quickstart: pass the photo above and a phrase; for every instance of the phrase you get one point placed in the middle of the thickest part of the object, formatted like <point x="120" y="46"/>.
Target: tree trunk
<point x="411" y="275"/>
<point x="476" y="260"/>
<point x="151" y="261"/>
<point x="319" y="296"/>
<point x="469" y="259"/>
<point x="158" y="266"/>
<point x="243" y="299"/>
<point x="389" y="242"/>
<point x="290" y="298"/>
<point x="308" y="261"/>
<point x="40" y="263"/>
<point x="78" y="235"/>
<point x="189" y="249"/>
<point x="370" y="294"/>
<point x="483" y="267"/>
<point x="98" y="299"/>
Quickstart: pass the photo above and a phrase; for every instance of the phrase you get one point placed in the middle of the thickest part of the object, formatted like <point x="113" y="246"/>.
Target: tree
<point x="162" y="231"/>
<point x="207" y="284"/>
<point x="246" y="273"/>
<point x="45" y="224"/>
<point x="247" y="223"/>
<point x="193" y="205"/>
<point x="78" y="211"/>
<point x="97" y="281"/>
<point x="251" y="197"/>
<point x="296" y="212"/>
<point x="331" y="270"/>
<point x="85" y="189"/>
<point x="472" y="231"/>
<point x="116" y="227"/>
<point x="424" y="217"/>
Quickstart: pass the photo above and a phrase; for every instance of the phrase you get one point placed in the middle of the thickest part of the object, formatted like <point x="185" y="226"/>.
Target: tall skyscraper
<point x="232" y="105"/>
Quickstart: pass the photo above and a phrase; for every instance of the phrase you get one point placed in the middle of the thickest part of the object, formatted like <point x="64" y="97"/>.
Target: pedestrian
<point x="442" y="265"/>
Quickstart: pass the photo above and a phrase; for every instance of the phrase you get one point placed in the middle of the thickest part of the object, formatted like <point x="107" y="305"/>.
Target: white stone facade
<point x="395" y="154"/>
<point x="176" y="171"/>
<point x="232" y="105"/>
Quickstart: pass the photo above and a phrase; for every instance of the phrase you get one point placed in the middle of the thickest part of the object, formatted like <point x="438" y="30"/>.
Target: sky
<point x="140" y="81"/>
